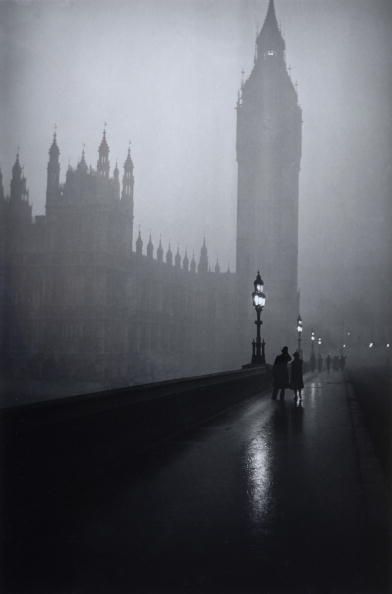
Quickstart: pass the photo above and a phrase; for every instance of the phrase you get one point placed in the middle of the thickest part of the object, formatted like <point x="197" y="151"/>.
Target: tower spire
<point x="203" y="261"/>
<point x="103" y="165"/>
<point x="150" y="248"/>
<point x="270" y="41"/>
<point x="53" y="174"/>
<point x="128" y="181"/>
<point x="18" y="181"/>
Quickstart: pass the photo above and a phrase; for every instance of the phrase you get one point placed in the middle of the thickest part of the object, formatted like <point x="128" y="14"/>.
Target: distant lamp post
<point x="312" y="356"/>
<point x="258" y="299"/>
<point x="299" y="333"/>
<point x="319" y="342"/>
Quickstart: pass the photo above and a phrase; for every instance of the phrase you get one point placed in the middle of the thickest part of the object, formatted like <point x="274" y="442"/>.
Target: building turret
<point x="139" y="245"/>
<point x="82" y="165"/>
<point x="20" y="209"/>
<point x="18" y="182"/>
<point x="193" y="263"/>
<point x="16" y="179"/>
<point x="53" y="176"/>
<point x="103" y="165"/>
<point x="128" y="180"/>
<point x="177" y="259"/>
<point x="150" y="248"/>
<point x="127" y="191"/>
<point x="169" y="256"/>
<point x="116" y="181"/>
<point x="160" y="252"/>
<point x="185" y="262"/>
<point x="203" y="261"/>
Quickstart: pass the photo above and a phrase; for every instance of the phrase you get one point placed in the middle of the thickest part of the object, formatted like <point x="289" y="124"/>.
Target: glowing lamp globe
<point x="258" y="300"/>
<point x="258" y="284"/>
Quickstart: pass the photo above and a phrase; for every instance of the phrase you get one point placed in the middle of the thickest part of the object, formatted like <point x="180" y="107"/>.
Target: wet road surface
<point x="266" y="497"/>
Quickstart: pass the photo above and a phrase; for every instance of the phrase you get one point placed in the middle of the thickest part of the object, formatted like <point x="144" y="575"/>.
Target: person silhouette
<point x="320" y="363"/>
<point x="280" y="373"/>
<point x="297" y="381"/>
<point x="328" y="361"/>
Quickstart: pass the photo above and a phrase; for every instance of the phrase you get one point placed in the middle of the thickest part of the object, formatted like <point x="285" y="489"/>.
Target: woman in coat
<point x="297" y="381"/>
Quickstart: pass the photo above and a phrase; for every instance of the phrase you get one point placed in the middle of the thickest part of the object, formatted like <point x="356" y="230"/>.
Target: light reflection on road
<point x="258" y="469"/>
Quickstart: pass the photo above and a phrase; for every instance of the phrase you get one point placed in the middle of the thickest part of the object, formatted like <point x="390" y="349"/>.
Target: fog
<point x="164" y="74"/>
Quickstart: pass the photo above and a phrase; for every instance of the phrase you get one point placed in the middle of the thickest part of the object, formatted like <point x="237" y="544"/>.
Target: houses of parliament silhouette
<point x="82" y="299"/>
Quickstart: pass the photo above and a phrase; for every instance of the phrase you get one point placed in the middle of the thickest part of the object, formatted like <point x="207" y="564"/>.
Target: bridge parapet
<point x="84" y="435"/>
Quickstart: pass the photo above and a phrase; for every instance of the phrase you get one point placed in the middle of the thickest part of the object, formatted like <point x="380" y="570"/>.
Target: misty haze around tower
<point x="172" y="178"/>
<point x="195" y="296"/>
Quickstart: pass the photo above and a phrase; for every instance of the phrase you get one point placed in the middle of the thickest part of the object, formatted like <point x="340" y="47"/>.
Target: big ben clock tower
<point x="269" y="133"/>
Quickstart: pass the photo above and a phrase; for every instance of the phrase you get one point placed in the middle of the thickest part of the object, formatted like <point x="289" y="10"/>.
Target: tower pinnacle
<point x="103" y="164"/>
<point x="270" y="41"/>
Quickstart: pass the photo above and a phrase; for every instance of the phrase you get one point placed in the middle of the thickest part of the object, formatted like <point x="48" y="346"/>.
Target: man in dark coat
<point x="280" y="373"/>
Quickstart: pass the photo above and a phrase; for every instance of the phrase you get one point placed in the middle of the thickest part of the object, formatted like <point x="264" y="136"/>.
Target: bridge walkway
<point x="268" y="496"/>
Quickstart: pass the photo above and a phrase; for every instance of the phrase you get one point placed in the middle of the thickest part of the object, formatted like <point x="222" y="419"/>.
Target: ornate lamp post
<point x="258" y="298"/>
<point x="299" y="332"/>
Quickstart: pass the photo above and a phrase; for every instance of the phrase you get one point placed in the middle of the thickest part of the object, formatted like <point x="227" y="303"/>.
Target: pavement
<point x="267" y="497"/>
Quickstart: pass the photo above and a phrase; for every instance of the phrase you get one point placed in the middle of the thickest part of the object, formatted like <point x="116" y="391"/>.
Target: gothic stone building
<point x="80" y="304"/>
<point x="81" y="300"/>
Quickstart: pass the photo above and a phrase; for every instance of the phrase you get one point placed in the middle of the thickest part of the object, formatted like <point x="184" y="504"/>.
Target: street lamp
<point x="312" y="356"/>
<point x="258" y="298"/>
<point x="319" y="342"/>
<point x="299" y="332"/>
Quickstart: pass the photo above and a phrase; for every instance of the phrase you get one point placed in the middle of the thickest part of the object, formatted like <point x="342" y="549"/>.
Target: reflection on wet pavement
<point x="258" y="477"/>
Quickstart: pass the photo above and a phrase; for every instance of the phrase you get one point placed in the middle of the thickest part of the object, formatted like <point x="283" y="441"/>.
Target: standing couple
<point x="281" y="377"/>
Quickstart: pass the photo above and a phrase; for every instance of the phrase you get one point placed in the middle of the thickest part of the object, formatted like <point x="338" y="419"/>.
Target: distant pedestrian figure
<point x="342" y="361"/>
<point x="335" y="363"/>
<point x="297" y="381"/>
<point x="328" y="361"/>
<point x="280" y="373"/>
<point x="320" y="363"/>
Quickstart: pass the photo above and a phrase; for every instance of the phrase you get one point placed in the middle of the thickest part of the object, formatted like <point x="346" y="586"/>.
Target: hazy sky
<point x="165" y="75"/>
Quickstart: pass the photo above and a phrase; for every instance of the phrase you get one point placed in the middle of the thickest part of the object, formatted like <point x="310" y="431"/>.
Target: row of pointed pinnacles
<point x="83" y="183"/>
<point x="178" y="261"/>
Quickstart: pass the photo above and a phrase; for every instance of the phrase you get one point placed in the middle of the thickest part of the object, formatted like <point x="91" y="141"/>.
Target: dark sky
<point x="165" y="75"/>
